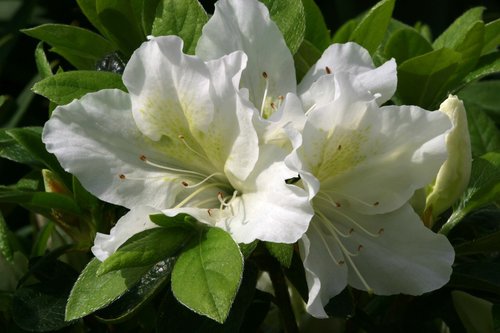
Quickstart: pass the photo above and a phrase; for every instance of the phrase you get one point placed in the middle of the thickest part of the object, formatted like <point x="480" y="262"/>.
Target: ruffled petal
<point x="132" y="223"/>
<point x="245" y="25"/>
<point x="353" y="59"/>
<point x="96" y="139"/>
<point x="324" y="264"/>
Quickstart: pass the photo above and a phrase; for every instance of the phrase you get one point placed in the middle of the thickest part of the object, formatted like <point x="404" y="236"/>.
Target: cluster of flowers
<point x="229" y="137"/>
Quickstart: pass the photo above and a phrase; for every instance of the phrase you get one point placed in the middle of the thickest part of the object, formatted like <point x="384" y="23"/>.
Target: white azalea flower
<point x="361" y="163"/>
<point x="181" y="140"/>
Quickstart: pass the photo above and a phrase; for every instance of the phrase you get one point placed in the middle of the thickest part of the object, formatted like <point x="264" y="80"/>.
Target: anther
<point x="351" y="231"/>
<point x="376" y="203"/>
<point x="264" y="97"/>
<point x="180" y="136"/>
<point x="273" y="106"/>
<point x="360" y="247"/>
<point x="185" y="184"/>
<point x="264" y="75"/>
<point x="209" y="211"/>
<point x="339" y="147"/>
<point x="338" y="205"/>
<point x="328" y="70"/>
<point x="340" y="262"/>
<point x="143" y="158"/>
<point x="122" y="176"/>
<point x="381" y="231"/>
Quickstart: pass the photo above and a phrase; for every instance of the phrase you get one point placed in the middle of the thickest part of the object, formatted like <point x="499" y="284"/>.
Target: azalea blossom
<point x="361" y="163"/>
<point x="182" y="140"/>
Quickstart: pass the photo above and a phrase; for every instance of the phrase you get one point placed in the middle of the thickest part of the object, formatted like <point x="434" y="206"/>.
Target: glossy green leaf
<point x="491" y="37"/>
<point x="316" y="32"/>
<point x="370" y="31"/>
<point x="282" y="252"/>
<point x="12" y="150"/>
<point x="479" y="276"/>
<point x="121" y="24"/>
<point x="343" y="34"/>
<point x="405" y="44"/>
<point x="474" y="312"/>
<point x="144" y="11"/>
<point x="305" y="58"/>
<point x="484" y="95"/>
<point x="89" y="9"/>
<point x="486" y="65"/>
<point x="484" y="134"/>
<point x="81" y="47"/>
<point x="486" y="244"/>
<point x="92" y="292"/>
<point x="42" y="239"/>
<point x="37" y="308"/>
<point x="290" y="17"/>
<point x="208" y="273"/>
<point x="177" y="221"/>
<point x="483" y="189"/>
<point x="136" y="298"/>
<point x="42" y="64"/>
<point x="65" y="87"/>
<point x="30" y="138"/>
<point x="470" y="47"/>
<point x="184" y="18"/>
<point x="147" y="248"/>
<point x="424" y="80"/>
<point x="456" y="32"/>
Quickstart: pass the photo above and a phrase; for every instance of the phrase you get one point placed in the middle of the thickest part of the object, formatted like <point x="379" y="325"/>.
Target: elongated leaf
<point x="483" y="189"/>
<point x="92" y="292"/>
<point x="424" y="80"/>
<point x="470" y="47"/>
<point x="5" y="246"/>
<point x="182" y="18"/>
<point x="64" y="87"/>
<point x="206" y="276"/>
<point x="491" y="37"/>
<point x="144" y="11"/>
<point x="81" y="47"/>
<point x="137" y="297"/>
<point x="486" y="244"/>
<point x="290" y="17"/>
<point x="121" y="24"/>
<point x="405" y="44"/>
<point x="343" y="34"/>
<point x="42" y="64"/>
<point x="484" y="134"/>
<point x="316" y="32"/>
<point x="474" y="312"/>
<point x="483" y="95"/>
<point x="477" y="276"/>
<point x="41" y="200"/>
<point x="89" y="9"/>
<point x="458" y="29"/>
<point x="486" y="65"/>
<point x="177" y="221"/>
<point x="12" y="150"/>
<point x="370" y="32"/>
<point x="147" y="248"/>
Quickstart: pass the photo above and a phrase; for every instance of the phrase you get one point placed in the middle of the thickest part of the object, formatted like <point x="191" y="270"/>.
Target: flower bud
<point x="453" y="177"/>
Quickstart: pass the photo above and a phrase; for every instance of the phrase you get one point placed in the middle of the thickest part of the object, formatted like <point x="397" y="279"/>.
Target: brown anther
<point x="184" y="184"/>
<point x="339" y="147"/>
<point x="328" y="70"/>
<point x="376" y="203"/>
<point x="337" y="204"/>
<point x="122" y="176"/>
<point x="360" y="247"/>
<point x="341" y="262"/>
<point x="351" y="231"/>
<point x="381" y="231"/>
<point x="273" y="106"/>
<point x="281" y="97"/>
<point x="220" y="195"/>
<point x="264" y="75"/>
<point x="181" y="136"/>
<point x="142" y="158"/>
<point x="209" y="211"/>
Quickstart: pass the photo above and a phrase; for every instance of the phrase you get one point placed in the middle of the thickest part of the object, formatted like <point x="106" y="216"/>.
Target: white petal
<point x="245" y="25"/>
<point x="326" y="275"/>
<point x="372" y="158"/>
<point x="96" y="139"/>
<point x="403" y="256"/>
<point x="132" y="223"/>
<point x="353" y="59"/>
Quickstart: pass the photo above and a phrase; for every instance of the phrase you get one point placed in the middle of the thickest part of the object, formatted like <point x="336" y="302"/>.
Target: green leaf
<point x="483" y="189"/>
<point x="147" y="248"/>
<point x="42" y="64"/>
<point x="40" y="244"/>
<point x="405" y="44"/>
<point x="486" y="65"/>
<point x="484" y="134"/>
<point x="491" y="37"/>
<point x="424" y="80"/>
<point x="121" y="24"/>
<point x="470" y="47"/>
<point x="136" y="298"/>
<point x="457" y="31"/>
<point x="30" y="138"/>
<point x="282" y="252"/>
<point x="305" y="58"/>
<point x="316" y="32"/>
<point x="179" y="220"/>
<point x="65" y="87"/>
<point x="35" y="308"/>
<point x="82" y="48"/>
<point x="92" y="292"/>
<point x="12" y="150"/>
<point x="343" y="34"/>
<point x="207" y="275"/>
<point x="5" y="246"/>
<point x="483" y="95"/>
<point x="370" y="31"/>
<point x="89" y="9"/>
<point x="145" y="11"/>
<point x="486" y="244"/>
<point x="184" y="18"/>
<point x="477" y="276"/>
<point x="474" y="312"/>
<point x="290" y="17"/>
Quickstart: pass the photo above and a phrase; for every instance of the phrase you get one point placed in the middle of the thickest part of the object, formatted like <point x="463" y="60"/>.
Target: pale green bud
<point x="453" y="177"/>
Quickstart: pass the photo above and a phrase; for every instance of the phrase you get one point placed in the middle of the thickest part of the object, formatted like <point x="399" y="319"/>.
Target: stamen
<point x="264" y="75"/>
<point x="183" y="140"/>
<point x="195" y="193"/>
<point x="328" y="70"/>
<point x="273" y="106"/>
<point x="203" y="181"/>
<point x="325" y="197"/>
<point x="122" y="176"/>
<point x="281" y="98"/>
<point x="323" y="240"/>
<point x="359" y="225"/>
<point x="148" y="162"/>
<point x="356" y="199"/>
<point x="339" y="147"/>
<point x="331" y="226"/>
<point x="209" y="211"/>
<point x="310" y="109"/>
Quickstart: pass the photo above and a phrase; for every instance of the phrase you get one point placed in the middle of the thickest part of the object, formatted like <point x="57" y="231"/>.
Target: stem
<point x="282" y="297"/>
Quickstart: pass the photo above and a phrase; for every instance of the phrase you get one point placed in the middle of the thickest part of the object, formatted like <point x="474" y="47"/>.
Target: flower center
<point x="268" y="105"/>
